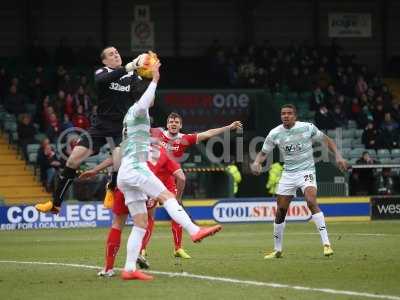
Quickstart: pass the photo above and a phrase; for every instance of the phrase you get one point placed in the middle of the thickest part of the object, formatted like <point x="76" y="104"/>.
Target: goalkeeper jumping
<point x="117" y="88"/>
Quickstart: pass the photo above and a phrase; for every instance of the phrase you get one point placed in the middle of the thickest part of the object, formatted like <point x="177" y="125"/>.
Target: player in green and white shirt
<point x="137" y="182"/>
<point x="294" y="140"/>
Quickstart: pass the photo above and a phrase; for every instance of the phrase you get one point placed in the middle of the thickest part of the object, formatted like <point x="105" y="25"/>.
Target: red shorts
<point x="119" y="207"/>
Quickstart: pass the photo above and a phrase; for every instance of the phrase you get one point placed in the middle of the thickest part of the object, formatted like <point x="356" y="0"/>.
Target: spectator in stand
<point x="339" y="117"/>
<point x="83" y="81"/>
<point x="387" y="96"/>
<point x="82" y="99"/>
<point x="66" y="123"/>
<point x="331" y="97"/>
<point x="370" y="137"/>
<point x="361" y="86"/>
<point x="378" y="114"/>
<point x="390" y="131"/>
<point x="385" y="182"/>
<point x="395" y="111"/>
<point x="93" y="116"/>
<point x="322" y="78"/>
<point x="15" y="102"/>
<point x="53" y="129"/>
<point x="59" y="76"/>
<point x="26" y="133"/>
<point x="355" y="109"/>
<point x="48" y="164"/>
<point x="324" y="119"/>
<point x="66" y="84"/>
<point x="37" y="91"/>
<point x="80" y="120"/>
<point x="345" y="87"/>
<point x="364" y="117"/>
<point x="59" y="103"/>
<point x="362" y="181"/>
<point x="317" y="99"/>
<point x="295" y="81"/>
<point x="69" y="106"/>
<point x="305" y="81"/>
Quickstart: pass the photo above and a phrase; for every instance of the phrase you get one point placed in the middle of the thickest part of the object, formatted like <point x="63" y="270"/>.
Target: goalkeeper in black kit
<point x="116" y="86"/>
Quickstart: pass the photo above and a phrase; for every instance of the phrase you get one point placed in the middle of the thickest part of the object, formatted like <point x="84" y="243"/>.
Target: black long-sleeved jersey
<point x="116" y="90"/>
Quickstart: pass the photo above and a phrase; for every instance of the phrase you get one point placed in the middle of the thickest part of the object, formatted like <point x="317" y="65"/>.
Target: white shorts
<point x="137" y="184"/>
<point x="290" y="182"/>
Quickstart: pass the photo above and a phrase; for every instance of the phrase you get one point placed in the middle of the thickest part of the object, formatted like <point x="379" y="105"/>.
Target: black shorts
<point x="96" y="137"/>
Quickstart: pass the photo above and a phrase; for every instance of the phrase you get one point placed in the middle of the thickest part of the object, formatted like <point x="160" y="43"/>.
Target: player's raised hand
<point x="256" y="168"/>
<point x="138" y="62"/>
<point x="88" y="174"/>
<point x="342" y="164"/>
<point x="236" y="125"/>
<point x="155" y="69"/>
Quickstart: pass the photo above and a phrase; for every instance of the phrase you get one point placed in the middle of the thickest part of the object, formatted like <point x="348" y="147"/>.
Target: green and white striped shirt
<point x="295" y="145"/>
<point x="136" y="130"/>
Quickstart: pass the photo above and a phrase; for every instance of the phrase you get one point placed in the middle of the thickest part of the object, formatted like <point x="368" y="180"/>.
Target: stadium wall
<point x="227" y="210"/>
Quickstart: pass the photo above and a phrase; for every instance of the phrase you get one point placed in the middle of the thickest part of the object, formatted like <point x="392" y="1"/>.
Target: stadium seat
<point x="353" y="160"/>
<point x="346" y="143"/>
<point x="372" y="153"/>
<point x="358" y="133"/>
<point x="332" y="133"/>
<point x="395" y="153"/>
<point x="383" y="153"/>
<point x="386" y="160"/>
<point x="32" y="148"/>
<point x="356" y="143"/>
<point x="40" y="137"/>
<point x="32" y="158"/>
<point x="346" y="152"/>
<point x="356" y="153"/>
<point x="396" y="160"/>
<point x="348" y="133"/>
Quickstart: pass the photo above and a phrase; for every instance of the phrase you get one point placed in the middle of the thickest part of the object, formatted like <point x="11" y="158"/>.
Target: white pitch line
<point x="221" y="279"/>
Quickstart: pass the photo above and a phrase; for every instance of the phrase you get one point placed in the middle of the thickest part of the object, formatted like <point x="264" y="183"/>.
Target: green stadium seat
<point x="40" y="137"/>
<point x="345" y="152"/>
<point x="32" y="148"/>
<point x="348" y="133"/>
<point x="383" y="153"/>
<point x="347" y="143"/>
<point x="356" y="153"/>
<point x="386" y="160"/>
<point x="395" y="153"/>
<point x="353" y="160"/>
<point x="10" y="126"/>
<point x="331" y="133"/>
<point x="356" y="143"/>
<point x="358" y="133"/>
<point x="32" y="157"/>
<point x="396" y="160"/>
<point x="372" y="153"/>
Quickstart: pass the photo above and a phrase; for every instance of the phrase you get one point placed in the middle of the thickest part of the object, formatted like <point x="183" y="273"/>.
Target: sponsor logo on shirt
<point x="117" y="87"/>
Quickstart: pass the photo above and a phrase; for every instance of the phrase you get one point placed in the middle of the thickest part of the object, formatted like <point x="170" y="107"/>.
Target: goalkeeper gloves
<point x="138" y="62"/>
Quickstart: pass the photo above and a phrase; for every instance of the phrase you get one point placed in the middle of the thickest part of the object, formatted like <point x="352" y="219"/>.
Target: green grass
<point x="362" y="263"/>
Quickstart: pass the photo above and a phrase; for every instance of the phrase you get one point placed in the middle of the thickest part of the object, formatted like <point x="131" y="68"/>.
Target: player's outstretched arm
<point x="202" y="136"/>
<point x="256" y="166"/>
<point x="93" y="172"/>
<point x="103" y="76"/>
<point x="147" y="99"/>
<point x="340" y="161"/>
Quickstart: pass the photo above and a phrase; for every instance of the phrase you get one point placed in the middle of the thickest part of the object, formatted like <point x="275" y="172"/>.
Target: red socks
<point x="112" y="247"/>
<point x="149" y="231"/>
<point x="177" y="233"/>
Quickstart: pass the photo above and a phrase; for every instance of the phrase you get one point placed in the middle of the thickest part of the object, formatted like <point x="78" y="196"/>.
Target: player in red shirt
<point x="176" y="143"/>
<point x="169" y="172"/>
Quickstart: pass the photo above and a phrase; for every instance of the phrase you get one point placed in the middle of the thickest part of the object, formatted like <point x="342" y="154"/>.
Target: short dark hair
<point x="103" y="52"/>
<point x="174" y="115"/>
<point x="289" y="106"/>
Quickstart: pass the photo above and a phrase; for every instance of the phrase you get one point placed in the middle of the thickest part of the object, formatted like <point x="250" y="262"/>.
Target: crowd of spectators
<point x="341" y="90"/>
<point x="45" y="104"/>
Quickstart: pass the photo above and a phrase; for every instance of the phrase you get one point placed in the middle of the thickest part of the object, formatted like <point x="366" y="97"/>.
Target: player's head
<point x="288" y="115"/>
<point x="110" y="57"/>
<point x="174" y="123"/>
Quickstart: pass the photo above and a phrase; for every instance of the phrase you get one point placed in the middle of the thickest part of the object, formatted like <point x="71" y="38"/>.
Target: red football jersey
<point x="164" y="168"/>
<point x="175" y="144"/>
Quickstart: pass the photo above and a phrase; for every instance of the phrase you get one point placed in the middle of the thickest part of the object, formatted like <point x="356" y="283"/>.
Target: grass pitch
<point x="366" y="260"/>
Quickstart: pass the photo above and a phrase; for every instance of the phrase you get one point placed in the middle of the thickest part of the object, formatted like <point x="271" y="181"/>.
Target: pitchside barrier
<point x="228" y="210"/>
